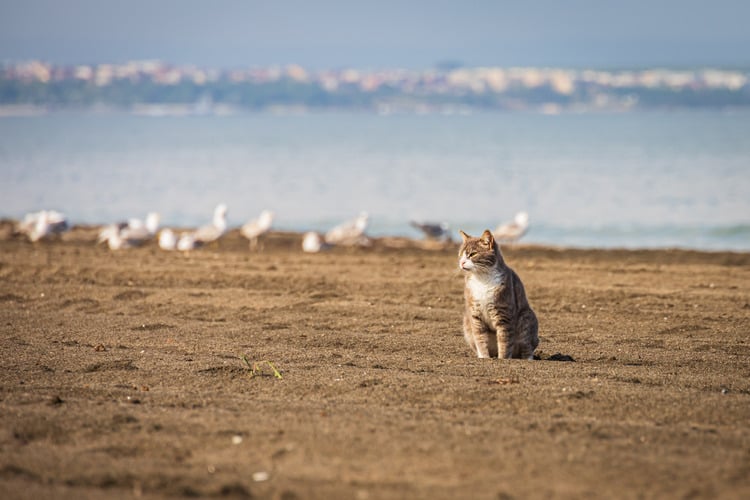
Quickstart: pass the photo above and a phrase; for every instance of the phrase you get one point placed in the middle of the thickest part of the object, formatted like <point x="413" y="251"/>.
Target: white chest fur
<point x="483" y="288"/>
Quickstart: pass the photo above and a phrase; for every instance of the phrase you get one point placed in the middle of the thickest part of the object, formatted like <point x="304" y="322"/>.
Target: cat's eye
<point x="472" y="254"/>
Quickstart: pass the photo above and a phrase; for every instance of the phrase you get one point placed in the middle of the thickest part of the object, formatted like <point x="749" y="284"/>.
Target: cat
<point x="498" y="321"/>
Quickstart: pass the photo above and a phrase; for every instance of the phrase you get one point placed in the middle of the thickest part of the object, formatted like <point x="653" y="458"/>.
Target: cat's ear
<point x="487" y="239"/>
<point x="464" y="236"/>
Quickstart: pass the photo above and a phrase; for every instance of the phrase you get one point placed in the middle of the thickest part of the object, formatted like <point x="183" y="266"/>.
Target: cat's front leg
<point x="469" y="333"/>
<point x="502" y="330"/>
<point x="504" y="350"/>
<point x="481" y="334"/>
<point x="483" y="346"/>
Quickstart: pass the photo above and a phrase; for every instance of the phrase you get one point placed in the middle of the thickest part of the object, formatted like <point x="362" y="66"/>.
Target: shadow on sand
<point x="555" y="357"/>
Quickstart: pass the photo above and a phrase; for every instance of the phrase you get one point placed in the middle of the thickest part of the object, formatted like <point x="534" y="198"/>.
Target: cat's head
<point x="478" y="255"/>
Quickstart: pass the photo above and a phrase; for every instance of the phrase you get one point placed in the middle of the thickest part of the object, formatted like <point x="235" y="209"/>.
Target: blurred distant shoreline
<point x="154" y="88"/>
<point x="291" y="235"/>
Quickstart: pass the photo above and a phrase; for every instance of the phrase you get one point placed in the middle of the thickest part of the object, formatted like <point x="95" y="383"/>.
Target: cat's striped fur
<point x="498" y="321"/>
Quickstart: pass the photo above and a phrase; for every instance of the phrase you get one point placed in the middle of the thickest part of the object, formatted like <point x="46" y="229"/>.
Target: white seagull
<point x="130" y="234"/>
<point x="43" y="224"/>
<point x="313" y="242"/>
<point x="167" y="239"/>
<point x="215" y="230"/>
<point x="349" y="233"/>
<point x="433" y="231"/>
<point x="513" y="231"/>
<point x="255" y="228"/>
<point x="186" y="242"/>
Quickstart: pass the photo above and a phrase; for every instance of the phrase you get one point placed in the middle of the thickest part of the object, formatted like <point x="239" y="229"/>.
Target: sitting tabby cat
<point x="498" y="321"/>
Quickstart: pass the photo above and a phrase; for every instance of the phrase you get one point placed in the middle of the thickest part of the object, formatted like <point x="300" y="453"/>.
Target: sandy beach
<point x="278" y="374"/>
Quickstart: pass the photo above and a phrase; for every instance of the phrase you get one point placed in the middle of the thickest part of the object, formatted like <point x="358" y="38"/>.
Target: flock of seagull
<point x="135" y="232"/>
<point x="509" y="232"/>
<point x="43" y="224"/>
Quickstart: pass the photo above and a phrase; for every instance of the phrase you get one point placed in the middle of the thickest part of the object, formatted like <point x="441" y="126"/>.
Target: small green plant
<point x="256" y="367"/>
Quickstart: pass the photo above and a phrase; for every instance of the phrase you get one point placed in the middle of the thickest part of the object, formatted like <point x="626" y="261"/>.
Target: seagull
<point x="255" y="228"/>
<point x="43" y="224"/>
<point x="167" y="240"/>
<point x="141" y="231"/>
<point x="186" y="242"/>
<point x="117" y="242"/>
<point x="215" y="230"/>
<point x="130" y="234"/>
<point x="433" y="231"/>
<point x="513" y="231"/>
<point x="313" y="242"/>
<point x="349" y="233"/>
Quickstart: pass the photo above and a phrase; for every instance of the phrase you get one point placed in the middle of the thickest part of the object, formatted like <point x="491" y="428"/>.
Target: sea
<point x="657" y="179"/>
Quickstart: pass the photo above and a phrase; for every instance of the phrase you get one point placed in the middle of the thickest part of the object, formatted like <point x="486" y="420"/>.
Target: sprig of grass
<point x="256" y="367"/>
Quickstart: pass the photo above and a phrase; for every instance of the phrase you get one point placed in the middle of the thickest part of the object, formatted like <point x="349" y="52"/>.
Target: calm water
<point x="627" y="180"/>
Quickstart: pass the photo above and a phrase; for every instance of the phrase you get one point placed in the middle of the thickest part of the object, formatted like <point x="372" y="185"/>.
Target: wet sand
<point x="123" y="375"/>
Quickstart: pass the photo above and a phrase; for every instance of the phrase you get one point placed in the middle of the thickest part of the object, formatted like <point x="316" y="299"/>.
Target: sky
<point x="418" y="34"/>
